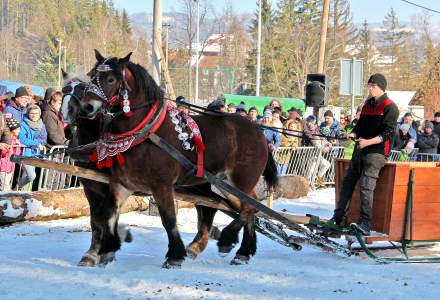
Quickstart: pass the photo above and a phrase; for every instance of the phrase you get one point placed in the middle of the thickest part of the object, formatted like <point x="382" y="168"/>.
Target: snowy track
<point x="38" y="261"/>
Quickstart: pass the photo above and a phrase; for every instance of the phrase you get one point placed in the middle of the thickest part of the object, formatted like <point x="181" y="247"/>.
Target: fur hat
<point x="428" y="124"/>
<point x="12" y="123"/>
<point x="267" y="114"/>
<point x="379" y="80"/>
<point x="404" y="127"/>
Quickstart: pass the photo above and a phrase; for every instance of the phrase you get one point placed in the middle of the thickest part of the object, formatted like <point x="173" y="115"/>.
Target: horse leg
<point x="176" y="250"/>
<point x="96" y="194"/>
<point x="248" y="246"/>
<point x="106" y="234"/>
<point x="229" y="236"/>
<point x="204" y="223"/>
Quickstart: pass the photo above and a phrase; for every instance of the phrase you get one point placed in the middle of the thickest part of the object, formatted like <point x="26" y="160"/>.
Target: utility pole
<point x="197" y="50"/>
<point x="59" y="62"/>
<point x="157" y="36"/>
<point x="257" y="88"/>
<point x="65" y="58"/>
<point x="324" y="25"/>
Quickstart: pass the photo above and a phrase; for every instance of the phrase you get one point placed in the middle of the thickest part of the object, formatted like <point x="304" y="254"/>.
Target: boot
<point x="362" y="227"/>
<point x="320" y="181"/>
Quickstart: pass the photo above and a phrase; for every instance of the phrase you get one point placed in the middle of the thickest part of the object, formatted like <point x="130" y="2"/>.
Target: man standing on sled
<point x="373" y="135"/>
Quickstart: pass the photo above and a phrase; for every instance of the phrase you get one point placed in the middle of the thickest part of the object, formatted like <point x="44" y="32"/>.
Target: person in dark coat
<point x="436" y="123"/>
<point x="16" y="107"/>
<point x="427" y="142"/>
<point x="373" y="134"/>
<point x="53" y="122"/>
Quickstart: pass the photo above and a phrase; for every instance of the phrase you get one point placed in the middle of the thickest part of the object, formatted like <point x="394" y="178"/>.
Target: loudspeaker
<point x="315" y="90"/>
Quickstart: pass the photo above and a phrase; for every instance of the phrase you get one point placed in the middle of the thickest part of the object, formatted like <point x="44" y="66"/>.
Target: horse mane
<point x="144" y="82"/>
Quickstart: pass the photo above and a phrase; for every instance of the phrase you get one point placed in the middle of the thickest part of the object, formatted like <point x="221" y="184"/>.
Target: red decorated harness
<point x="113" y="145"/>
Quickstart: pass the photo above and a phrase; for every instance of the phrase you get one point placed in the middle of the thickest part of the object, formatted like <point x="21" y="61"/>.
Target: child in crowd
<point x="6" y="165"/>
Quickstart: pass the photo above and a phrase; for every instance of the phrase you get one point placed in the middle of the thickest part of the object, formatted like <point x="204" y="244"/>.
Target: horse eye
<point x="111" y="80"/>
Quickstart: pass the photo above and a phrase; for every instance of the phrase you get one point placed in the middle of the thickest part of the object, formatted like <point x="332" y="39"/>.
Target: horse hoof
<point x="240" y="260"/>
<point x="128" y="237"/>
<point x="225" y="250"/>
<point x="106" y="258"/>
<point x="172" y="264"/>
<point x="89" y="260"/>
<point x="191" y="252"/>
<point x="125" y="234"/>
<point x="215" y="233"/>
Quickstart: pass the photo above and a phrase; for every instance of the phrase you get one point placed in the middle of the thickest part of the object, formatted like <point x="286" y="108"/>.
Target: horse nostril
<point x="89" y="109"/>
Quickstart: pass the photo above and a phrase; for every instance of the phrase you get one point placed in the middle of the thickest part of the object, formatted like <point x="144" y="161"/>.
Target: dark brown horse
<point x="86" y="132"/>
<point x="235" y="148"/>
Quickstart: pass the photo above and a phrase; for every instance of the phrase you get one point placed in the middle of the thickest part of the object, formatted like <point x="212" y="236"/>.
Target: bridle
<point x="121" y="97"/>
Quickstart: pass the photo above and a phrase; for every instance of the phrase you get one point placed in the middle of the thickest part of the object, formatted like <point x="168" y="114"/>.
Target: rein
<point x="288" y="132"/>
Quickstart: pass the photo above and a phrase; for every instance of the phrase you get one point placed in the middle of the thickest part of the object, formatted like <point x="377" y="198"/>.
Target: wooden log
<point x="61" y="167"/>
<point x="49" y="205"/>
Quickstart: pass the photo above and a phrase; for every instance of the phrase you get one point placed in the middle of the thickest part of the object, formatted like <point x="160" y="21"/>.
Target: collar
<point x="376" y="101"/>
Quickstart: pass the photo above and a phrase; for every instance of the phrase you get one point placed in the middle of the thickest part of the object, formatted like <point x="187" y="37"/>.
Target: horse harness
<point x="113" y="145"/>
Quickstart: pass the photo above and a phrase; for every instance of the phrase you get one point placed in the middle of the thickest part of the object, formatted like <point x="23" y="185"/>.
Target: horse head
<point x="108" y="85"/>
<point x="117" y="85"/>
<point x="73" y="91"/>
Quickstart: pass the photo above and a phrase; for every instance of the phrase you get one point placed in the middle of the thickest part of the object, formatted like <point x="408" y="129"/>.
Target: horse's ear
<point x="64" y="73"/>
<point x="124" y="61"/>
<point x="99" y="56"/>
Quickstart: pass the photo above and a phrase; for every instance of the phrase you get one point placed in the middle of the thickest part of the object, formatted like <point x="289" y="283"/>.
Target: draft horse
<point x="127" y="99"/>
<point x="86" y="131"/>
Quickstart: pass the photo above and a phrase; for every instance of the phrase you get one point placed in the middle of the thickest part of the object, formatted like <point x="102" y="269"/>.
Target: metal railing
<point x="54" y="180"/>
<point x="308" y="162"/>
<point x="427" y="157"/>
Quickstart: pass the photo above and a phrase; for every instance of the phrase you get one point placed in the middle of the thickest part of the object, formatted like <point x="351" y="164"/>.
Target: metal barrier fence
<point x="315" y="164"/>
<point x="51" y="180"/>
<point x="11" y="173"/>
<point x="427" y="157"/>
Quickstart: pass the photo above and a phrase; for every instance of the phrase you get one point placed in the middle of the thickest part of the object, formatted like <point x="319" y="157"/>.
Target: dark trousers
<point x="366" y="168"/>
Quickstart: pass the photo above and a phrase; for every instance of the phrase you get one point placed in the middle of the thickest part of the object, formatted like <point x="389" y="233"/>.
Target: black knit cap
<point x="328" y="113"/>
<point x="379" y="80"/>
<point x="12" y="123"/>
<point x="21" y="92"/>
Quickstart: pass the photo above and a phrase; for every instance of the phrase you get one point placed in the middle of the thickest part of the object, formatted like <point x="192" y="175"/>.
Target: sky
<point x="371" y="10"/>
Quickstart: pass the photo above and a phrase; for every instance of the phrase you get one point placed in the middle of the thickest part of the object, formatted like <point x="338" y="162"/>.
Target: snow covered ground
<point x="38" y="261"/>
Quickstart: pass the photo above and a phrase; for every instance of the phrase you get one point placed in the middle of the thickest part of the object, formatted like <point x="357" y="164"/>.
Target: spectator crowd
<point x="29" y="126"/>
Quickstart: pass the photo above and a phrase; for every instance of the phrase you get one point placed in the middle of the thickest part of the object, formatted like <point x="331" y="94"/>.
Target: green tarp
<point x="261" y="101"/>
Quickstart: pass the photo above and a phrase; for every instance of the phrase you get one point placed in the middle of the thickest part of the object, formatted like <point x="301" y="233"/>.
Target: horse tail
<point x="270" y="172"/>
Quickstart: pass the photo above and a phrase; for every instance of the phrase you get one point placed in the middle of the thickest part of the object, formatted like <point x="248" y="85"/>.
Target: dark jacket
<point x="400" y="140"/>
<point x="4" y="131"/>
<point x="427" y="143"/>
<point x="54" y="126"/>
<point x="437" y="132"/>
<point x="378" y="118"/>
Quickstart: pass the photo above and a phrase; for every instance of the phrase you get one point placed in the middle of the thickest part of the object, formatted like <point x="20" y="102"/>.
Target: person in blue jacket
<point x="17" y="106"/>
<point x="273" y="137"/>
<point x="33" y="135"/>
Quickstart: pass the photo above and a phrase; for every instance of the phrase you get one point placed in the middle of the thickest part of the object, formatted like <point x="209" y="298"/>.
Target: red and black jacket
<point x="378" y="118"/>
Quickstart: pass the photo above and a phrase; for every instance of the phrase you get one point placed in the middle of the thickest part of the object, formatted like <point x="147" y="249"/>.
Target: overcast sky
<point x="371" y="10"/>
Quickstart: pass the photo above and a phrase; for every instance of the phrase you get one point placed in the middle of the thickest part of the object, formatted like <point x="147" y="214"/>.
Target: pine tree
<point x="125" y="22"/>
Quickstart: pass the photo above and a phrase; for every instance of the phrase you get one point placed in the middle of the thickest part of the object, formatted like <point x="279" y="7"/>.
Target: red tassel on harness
<point x="129" y="114"/>
<point x="200" y="148"/>
<point x="198" y="143"/>
<point x="120" y="158"/>
<point x="108" y="162"/>
<point x="100" y="164"/>
<point x="94" y="156"/>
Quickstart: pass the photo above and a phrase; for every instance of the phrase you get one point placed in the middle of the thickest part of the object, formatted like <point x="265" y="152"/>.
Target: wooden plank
<point x="427" y="177"/>
<point x="61" y="167"/>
